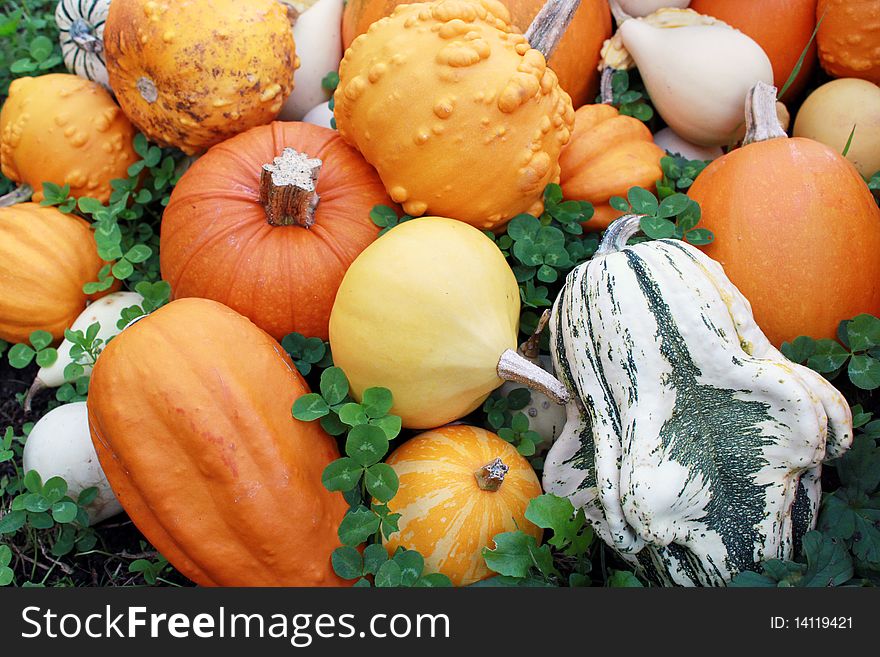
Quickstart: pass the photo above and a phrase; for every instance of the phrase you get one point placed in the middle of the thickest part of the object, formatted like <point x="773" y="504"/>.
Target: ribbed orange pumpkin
<point x="796" y="229"/>
<point x="454" y="498"/>
<point x="217" y="241"/>
<point x="574" y="61"/>
<point x="608" y="153"/>
<point x="66" y="130"/>
<point x="46" y="257"/>
<point x="849" y="38"/>
<point x="189" y="411"/>
<point x="781" y="27"/>
<point x="191" y="74"/>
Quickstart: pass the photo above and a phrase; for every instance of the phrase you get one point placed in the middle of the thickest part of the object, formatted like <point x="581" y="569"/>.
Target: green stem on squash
<point x="20" y="194"/>
<point x="288" y="189"/>
<point x="618" y="234"/>
<point x="514" y="367"/>
<point x="548" y="27"/>
<point x="491" y="476"/>
<point x="762" y="120"/>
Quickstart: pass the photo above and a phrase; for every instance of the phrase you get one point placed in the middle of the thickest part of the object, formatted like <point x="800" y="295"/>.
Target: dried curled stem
<point x="548" y="27"/>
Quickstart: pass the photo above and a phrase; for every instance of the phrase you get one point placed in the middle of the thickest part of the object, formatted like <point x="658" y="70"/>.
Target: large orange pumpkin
<point x="608" y="153"/>
<point x="459" y="487"/>
<point x="781" y="27"/>
<point x="46" y="257"/>
<point x="66" y="130"/>
<point x="191" y="74"/>
<point x="218" y="240"/>
<point x="796" y="229"/>
<point x="849" y="38"/>
<point x="189" y="410"/>
<point x="574" y="61"/>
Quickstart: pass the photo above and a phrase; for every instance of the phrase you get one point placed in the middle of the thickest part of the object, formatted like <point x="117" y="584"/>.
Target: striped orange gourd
<point x="450" y="506"/>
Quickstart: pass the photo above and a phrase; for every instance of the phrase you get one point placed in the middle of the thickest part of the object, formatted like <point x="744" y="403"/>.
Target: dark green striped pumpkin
<point x="81" y="27"/>
<point x="694" y="446"/>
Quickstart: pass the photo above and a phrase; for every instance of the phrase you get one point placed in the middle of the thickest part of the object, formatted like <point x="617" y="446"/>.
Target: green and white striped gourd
<point x="694" y="446"/>
<point x="81" y="26"/>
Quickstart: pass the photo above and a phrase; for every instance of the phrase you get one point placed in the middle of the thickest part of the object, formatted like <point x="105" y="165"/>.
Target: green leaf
<point x="32" y="481"/>
<point x="12" y="521"/>
<point x="352" y="414"/>
<point x="389" y="575"/>
<point x="54" y="489"/>
<point x="138" y="253"/>
<point x="433" y="580"/>
<point x="40" y="339"/>
<point x="41" y="520"/>
<point x="673" y="205"/>
<point x="657" y="228"/>
<point x="515" y="553"/>
<point x="383" y="216"/>
<point x="41" y="48"/>
<point x="800" y="62"/>
<point x="20" y="355"/>
<point x="518" y="398"/>
<point x="849" y="140"/>
<point x="342" y="474"/>
<point x="412" y="564"/>
<point x="36" y="503"/>
<point x="374" y="556"/>
<point x="47" y="357"/>
<point x="382" y="482"/>
<point x="310" y="407"/>
<point x="799" y="350"/>
<point x="390" y="424"/>
<point x="6" y="575"/>
<point x="523" y="227"/>
<point x="332" y="425"/>
<point x="519" y="422"/>
<point x="642" y="201"/>
<point x="329" y="83"/>
<point x="828" y="562"/>
<point x="863" y="332"/>
<point x="864" y="372"/>
<point x="87" y="496"/>
<point x="64" y="512"/>
<point x="622" y="579"/>
<point x="5" y="555"/>
<point x="827" y="356"/>
<point x="334" y="385"/>
<point x="357" y="526"/>
<point x="377" y="402"/>
<point x="122" y="269"/>
<point x="366" y="444"/>
<point x="699" y="236"/>
<point x="347" y="562"/>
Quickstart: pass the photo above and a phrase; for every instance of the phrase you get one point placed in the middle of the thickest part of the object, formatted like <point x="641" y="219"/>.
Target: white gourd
<point x="81" y="33"/>
<point x="697" y="71"/>
<point x="672" y="143"/>
<point x="106" y="311"/>
<point x="320" y="115"/>
<point x="60" y="445"/>
<point x="317" y="33"/>
<point x="694" y="446"/>
<point x="638" y="8"/>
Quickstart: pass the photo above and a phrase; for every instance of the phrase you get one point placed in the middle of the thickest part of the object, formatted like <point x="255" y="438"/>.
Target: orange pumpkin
<point x="459" y="487"/>
<point x="781" y="27"/>
<point x="191" y="74"/>
<point x="608" y="153"/>
<point x="796" y="229"/>
<point x="575" y="60"/>
<point x="189" y="411"/>
<point x="46" y="257"/>
<point x="849" y="38"/>
<point x="66" y="130"/>
<point x="218" y="240"/>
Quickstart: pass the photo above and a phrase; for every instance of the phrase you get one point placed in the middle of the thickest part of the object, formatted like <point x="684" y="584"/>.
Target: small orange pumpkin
<point x="575" y="61"/>
<point x="66" y="130"/>
<point x="608" y="153"/>
<point x="274" y="252"/>
<point x="781" y="27"/>
<point x="189" y="411"/>
<point x="796" y="228"/>
<point x="191" y="74"/>
<point x="459" y="487"/>
<point x="849" y="38"/>
<point x="46" y="257"/>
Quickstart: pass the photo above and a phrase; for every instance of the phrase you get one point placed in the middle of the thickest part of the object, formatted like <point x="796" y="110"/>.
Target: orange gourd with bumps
<point x="849" y="38"/>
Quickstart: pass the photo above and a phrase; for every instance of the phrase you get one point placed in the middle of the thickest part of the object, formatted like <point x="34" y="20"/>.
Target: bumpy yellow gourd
<point x="459" y="115"/>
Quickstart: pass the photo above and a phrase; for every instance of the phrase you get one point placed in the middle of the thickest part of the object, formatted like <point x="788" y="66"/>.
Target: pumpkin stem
<point x="548" y="27"/>
<point x="287" y="189"/>
<point x="605" y="88"/>
<point x="20" y="194"/>
<point x="618" y="234"/>
<point x="491" y="476"/>
<point x="36" y="386"/>
<point x="531" y="348"/>
<point x="514" y="367"/>
<point x="762" y="120"/>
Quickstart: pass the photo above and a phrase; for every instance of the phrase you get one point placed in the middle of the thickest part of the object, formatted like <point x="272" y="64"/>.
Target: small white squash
<point x="546" y="417"/>
<point x="317" y="33"/>
<point x="831" y="112"/>
<point x="106" y="311"/>
<point x="60" y="445"/>
<point x="672" y="143"/>
<point x="320" y="115"/>
<point x="696" y="68"/>
<point x="81" y="33"/>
